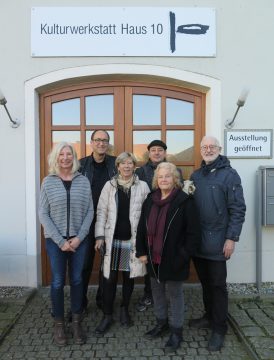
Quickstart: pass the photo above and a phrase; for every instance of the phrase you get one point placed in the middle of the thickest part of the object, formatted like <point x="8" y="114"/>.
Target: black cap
<point x="157" y="143"/>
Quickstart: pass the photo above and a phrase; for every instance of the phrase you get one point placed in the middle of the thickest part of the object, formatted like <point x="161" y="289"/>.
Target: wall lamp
<point x="14" y="123"/>
<point x="241" y="101"/>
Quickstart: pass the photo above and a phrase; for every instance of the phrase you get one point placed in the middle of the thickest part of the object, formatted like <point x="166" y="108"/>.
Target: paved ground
<point x="31" y="336"/>
<point x="254" y="317"/>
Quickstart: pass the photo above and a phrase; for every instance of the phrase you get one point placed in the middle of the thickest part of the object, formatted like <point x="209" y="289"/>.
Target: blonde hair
<point x="54" y="154"/>
<point x="124" y="156"/>
<point x="173" y="170"/>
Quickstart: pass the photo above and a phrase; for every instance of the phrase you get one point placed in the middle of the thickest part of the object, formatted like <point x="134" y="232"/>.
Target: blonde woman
<point x="66" y="212"/>
<point x="118" y="213"/>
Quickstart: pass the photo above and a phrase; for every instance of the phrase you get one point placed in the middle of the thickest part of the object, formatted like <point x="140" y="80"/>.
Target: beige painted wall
<point x="245" y="56"/>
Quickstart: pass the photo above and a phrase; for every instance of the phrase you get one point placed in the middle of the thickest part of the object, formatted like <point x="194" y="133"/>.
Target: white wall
<point x="245" y="56"/>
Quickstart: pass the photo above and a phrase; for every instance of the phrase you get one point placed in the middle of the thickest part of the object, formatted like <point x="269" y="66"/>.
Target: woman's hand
<point x="98" y="244"/>
<point x="74" y="242"/>
<point x="143" y="259"/>
<point x="67" y="247"/>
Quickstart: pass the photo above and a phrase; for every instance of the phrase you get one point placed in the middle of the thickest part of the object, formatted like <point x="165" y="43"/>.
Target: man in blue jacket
<point x="219" y="198"/>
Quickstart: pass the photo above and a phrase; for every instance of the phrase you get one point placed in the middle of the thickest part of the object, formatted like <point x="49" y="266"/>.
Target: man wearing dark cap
<point x="156" y="154"/>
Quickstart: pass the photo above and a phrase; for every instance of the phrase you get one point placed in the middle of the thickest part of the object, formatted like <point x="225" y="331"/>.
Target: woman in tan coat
<point x="118" y="214"/>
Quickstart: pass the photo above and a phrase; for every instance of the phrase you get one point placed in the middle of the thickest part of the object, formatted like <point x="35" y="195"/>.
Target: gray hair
<point x="54" y="154"/>
<point x="173" y="170"/>
<point x="216" y="141"/>
<point x="124" y="156"/>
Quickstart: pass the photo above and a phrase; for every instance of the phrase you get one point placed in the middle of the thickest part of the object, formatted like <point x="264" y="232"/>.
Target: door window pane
<point x="111" y="142"/>
<point x="66" y="112"/>
<point x="180" y="145"/>
<point x="186" y="171"/>
<point x="141" y="139"/>
<point x="146" y="110"/>
<point x="99" y="110"/>
<point x="72" y="137"/>
<point x="179" y="112"/>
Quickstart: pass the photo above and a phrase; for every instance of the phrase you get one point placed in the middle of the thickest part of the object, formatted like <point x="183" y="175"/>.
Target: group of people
<point x="144" y="222"/>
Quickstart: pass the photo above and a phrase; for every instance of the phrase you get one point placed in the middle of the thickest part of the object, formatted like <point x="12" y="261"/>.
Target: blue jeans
<point x="168" y="292"/>
<point x="59" y="260"/>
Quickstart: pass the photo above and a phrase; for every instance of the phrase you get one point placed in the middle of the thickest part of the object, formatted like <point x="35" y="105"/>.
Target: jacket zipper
<point x="68" y="212"/>
<point x="149" y="253"/>
<point x="158" y="277"/>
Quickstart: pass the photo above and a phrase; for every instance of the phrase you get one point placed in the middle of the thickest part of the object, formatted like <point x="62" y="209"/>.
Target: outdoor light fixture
<point x="14" y="123"/>
<point x="241" y="101"/>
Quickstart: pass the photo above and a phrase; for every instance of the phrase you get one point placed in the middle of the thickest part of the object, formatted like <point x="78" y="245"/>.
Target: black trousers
<point x="147" y="288"/>
<point x="109" y="290"/>
<point x="87" y="269"/>
<point x="212" y="275"/>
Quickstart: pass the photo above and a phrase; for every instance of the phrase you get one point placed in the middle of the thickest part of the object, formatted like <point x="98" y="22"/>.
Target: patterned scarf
<point x="125" y="185"/>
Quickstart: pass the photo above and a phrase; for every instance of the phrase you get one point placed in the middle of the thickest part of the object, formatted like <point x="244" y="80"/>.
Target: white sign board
<point x="248" y="143"/>
<point x="127" y="31"/>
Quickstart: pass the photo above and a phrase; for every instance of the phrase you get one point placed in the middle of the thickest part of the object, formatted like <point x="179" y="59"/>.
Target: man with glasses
<point x="219" y="198"/>
<point x="99" y="167"/>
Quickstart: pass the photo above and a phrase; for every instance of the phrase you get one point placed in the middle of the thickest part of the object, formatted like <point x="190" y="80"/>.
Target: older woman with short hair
<point x="118" y="213"/>
<point x="168" y="234"/>
<point x="66" y="212"/>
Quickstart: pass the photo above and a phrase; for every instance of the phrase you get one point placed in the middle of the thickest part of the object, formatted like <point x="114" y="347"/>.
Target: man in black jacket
<point x="219" y="198"/>
<point x="98" y="168"/>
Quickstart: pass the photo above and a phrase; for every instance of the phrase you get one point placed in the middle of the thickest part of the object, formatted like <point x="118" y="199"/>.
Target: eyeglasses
<point x="210" y="147"/>
<point x="104" y="141"/>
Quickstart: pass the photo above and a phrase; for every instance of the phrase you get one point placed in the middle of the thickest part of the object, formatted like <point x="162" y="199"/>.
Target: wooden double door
<point x="133" y="113"/>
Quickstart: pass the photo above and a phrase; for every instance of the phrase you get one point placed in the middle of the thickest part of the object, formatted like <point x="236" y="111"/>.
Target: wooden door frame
<point x="121" y="91"/>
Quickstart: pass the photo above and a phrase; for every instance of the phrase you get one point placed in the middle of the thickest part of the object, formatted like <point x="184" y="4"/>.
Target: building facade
<point x="136" y="98"/>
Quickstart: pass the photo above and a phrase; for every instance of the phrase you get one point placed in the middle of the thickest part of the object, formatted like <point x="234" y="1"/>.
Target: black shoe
<point x="201" y="323"/>
<point x="216" y="341"/>
<point x="161" y="328"/>
<point x="104" y="325"/>
<point x="125" y="319"/>
<point x="174" y="341"/>
<point x="144" y="303"/>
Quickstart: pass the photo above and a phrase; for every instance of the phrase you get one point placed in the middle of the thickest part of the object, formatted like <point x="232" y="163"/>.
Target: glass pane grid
<point x="99" y="110"/>
<point x="66" y="112"/>
<point x="179" y="112"/>
<point x="146" y="110"/>
<point x="180" y="145"/>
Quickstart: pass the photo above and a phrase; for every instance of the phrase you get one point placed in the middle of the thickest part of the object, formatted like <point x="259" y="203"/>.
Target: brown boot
<point x="78" y="334"/>
<point x="59" y="332"/>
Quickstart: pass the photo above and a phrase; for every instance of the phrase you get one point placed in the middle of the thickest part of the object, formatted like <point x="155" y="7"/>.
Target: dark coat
<point x="181" y="238"/>
<point x="219" y="198"/>
<point x="87" y="167"/>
